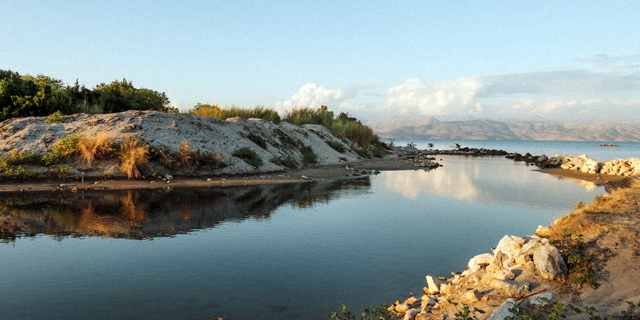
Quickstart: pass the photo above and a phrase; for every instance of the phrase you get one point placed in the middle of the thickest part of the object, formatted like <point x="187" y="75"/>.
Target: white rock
<point x="475" y="262"/>
<point x="471" y="296"/>
<point x="543" y="231"/>
<point x="502" y="311"/>
<point x="549" y="262"/>
<point x="535" y="300"/>
<point x="511" y="288"/>
<point x="505" y="275"/>
<point x="510" y="245"/>
<point x="168" y="177"/>
<point x="411" y="314"/>
<point x="434" y="284"/>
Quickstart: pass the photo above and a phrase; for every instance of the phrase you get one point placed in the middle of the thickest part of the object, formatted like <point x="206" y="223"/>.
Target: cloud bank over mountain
<point x="606" y="90"/>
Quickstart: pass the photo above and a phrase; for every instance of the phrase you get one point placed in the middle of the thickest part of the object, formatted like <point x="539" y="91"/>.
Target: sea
<point x="292" y="251"/>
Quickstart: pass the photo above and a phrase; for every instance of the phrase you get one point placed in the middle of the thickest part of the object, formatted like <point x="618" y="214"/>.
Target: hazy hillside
<point x="495" y="130"/>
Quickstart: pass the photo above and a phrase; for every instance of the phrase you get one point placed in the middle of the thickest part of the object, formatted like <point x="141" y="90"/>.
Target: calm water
<point x="624" y="150"/>
<point x="292" y="251"/>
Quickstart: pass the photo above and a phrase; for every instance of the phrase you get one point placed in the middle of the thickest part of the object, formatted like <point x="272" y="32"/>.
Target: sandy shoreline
<point x="325" y="172"/>
<point x="322" y="172"/>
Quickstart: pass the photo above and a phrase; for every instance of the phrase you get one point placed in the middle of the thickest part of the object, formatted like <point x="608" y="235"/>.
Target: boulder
<point x="549" y="262"/>
<point x="510" y="245"/>
<point x="536" y="301"/>
<point x="543" y="231"/>
<point x="505" y="275"/>
<point x="511" y="288"/>
<point x="411" y="301"/>
<point x="480" y="260"/>
<point x="498" y="261"/>
<point x="411" y="314"/>
<point x="471" y="296"/>
<point x="402" y="308"/>
<point x="502" y="311"/>
<point x="434" y="284"/>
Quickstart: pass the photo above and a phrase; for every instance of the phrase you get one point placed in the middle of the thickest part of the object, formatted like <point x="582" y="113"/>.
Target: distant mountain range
<point x="432" y="128"/>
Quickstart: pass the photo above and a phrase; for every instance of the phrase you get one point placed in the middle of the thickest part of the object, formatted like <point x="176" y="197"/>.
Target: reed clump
<point x="95" y="147"/>
<point x="134" y="155"/>
<point x="216" y="111"/>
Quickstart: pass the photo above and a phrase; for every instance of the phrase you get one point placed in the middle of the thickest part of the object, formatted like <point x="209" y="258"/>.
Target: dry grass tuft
<point x="598" y="216"/>
<point x="134" y="154"/>
<point x="95" y="147"/>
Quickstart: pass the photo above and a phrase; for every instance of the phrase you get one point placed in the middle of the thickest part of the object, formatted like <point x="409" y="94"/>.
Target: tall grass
<point x="352" y="130"/>
<point x="134" y="154"/>
<point x="215" y="111"/>
<point x="95" y="147"/>
<point x="302" y="115"/>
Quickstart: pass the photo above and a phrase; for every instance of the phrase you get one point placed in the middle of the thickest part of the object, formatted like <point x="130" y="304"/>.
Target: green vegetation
<point x="559" y="311"/>
<point x="20" y="173"/>
<point x="55" y="117"/>
<point x="62" y="150"/>
<point x="249" y="156"/>
<point x="259" y="140"/>
<point x="572" y="251"/>
<point x="287" y="161"/>
<point x="287" y="140"/>
<point x="342" y="126"/>
<point x="26" y="96"/>
<point x="215" y="111"/>
<point x="336" y="146"/>
<point x="362" y="153"/>
<point x="375" y="313"/>
<point x="60" y="172"/>
<point x="308" y="156"/>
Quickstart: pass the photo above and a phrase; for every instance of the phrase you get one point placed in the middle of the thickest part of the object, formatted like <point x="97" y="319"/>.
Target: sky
<point x="504" y="60"/>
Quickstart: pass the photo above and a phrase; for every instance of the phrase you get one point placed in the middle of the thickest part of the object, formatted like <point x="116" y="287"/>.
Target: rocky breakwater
<point x="420" y="159"/>
<point x="541" y="161"/>
<point x="617" y="167"/>
<point x="518" y="268"/>
<point x="466" y="151"/>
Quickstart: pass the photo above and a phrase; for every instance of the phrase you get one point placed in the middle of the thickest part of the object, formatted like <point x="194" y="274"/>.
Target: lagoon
<point x="292" y="251"/>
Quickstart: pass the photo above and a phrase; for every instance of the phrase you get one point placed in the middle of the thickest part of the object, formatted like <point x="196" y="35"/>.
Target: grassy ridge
<point x="215" y="111"/>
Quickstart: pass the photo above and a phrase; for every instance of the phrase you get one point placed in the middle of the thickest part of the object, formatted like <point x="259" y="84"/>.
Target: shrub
<point x="20" y="172"/>
<point x="56" y="117"/>
<point x="187" y="156"/>
<point x="257" y="140"/>
<point x="60" y="172"/>
<point x="287" y="161"/>
<point x="308" y="156"/>
<point x="95" y="147"/>
<point x="362" y="152"/>
<point x="17" y="158"/>
<point x="62" y="150"/>
<point x="336" y="146"/>
<point x="134" y="154"/>
<point x="249" y="156"/>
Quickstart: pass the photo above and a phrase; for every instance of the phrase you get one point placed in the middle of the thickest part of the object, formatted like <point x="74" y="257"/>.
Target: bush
<point x="62" y="150"/>
<point x="362" y="153"/>
<point x="257" y="140"/>
<point x="338" y="146"/>
<point x="352" y="130"/>
<point x="60" y="172"/>
<point x="20" y="172"/>
<point x="17" y="158"/>
<point x="56" y="117"/>
<point x="287" y="140"/>
<point x="308" y="156"/>
<point x="287" y="161"/>
<point x="134" y="154"/>
<point x="249" y="156"/>
<point x="95" y="147"/>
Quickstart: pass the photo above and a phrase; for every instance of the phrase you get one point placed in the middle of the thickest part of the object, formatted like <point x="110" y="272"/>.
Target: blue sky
<point x="505" y="60"/>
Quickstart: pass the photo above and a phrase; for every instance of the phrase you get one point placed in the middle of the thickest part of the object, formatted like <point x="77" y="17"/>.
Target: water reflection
<point x="144" y="214"/>
<point x="499" y="181"/>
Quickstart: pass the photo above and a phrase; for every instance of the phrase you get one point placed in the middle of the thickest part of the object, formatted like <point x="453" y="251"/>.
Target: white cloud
<point x="415" y="97"/>
<point x="313" y="96"/>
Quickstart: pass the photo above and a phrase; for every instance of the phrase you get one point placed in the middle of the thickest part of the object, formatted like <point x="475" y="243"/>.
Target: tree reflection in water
<point x="145" y="214"/>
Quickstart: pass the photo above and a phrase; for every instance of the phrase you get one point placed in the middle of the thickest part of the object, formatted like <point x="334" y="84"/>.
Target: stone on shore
<point x="434" y="284"/>
<point x="513" y="289"/>
<point x="502" y="311"/>
<point x="480" y="261"/>
<point x="550" y="263"/>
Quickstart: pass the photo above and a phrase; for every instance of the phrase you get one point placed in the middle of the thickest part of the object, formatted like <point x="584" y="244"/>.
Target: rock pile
<point x="516" y="266"/>
<point x="617" y="167"/>
<point x="468" y="152"/>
